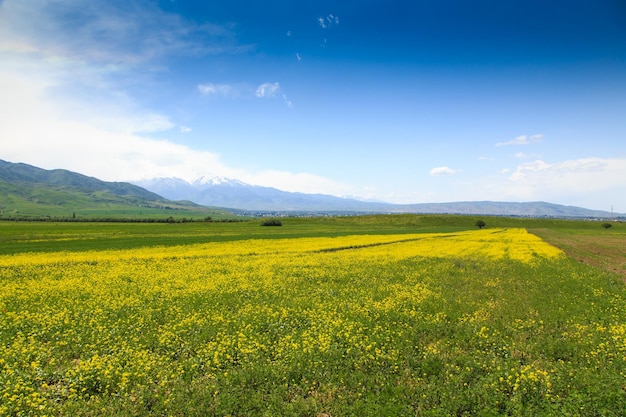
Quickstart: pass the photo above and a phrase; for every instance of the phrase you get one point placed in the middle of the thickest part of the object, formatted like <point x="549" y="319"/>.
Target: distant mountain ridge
<point x="40" y="192"/>
<point x="234" y="194"/>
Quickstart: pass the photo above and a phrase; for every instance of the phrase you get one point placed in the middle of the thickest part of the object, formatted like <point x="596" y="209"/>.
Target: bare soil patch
<point x="604" y="250"/>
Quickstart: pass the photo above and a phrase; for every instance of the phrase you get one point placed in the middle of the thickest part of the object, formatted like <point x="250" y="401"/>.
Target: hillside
<point x="31" y="192"/>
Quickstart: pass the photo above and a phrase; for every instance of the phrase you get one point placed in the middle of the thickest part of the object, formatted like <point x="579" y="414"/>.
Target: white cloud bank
<point x="439" y="171"/>
<point x="572" y="179"/>
<point x="522" y="140"/>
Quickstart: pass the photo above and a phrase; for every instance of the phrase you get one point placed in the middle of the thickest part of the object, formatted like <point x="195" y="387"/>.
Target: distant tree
<point x="272" y="222"/>
<point x="480" y="224"/>
<point x="607" y="225"/>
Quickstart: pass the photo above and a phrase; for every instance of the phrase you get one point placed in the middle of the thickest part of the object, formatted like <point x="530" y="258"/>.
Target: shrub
<point x="607" y="225"/>
<point x="480" y="224"/>
<point x="272" y="222"/>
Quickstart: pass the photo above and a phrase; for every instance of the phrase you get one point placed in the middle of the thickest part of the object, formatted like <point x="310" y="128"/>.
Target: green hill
<point x="28" y="192"/>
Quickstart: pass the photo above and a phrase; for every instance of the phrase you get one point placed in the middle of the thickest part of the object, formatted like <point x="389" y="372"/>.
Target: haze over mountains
<point x="30" y="190"/>
<point x="234" y="194"/>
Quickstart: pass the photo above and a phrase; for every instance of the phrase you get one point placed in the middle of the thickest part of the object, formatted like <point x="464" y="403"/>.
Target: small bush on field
<point x="607" y="225"/>
<point x="272" y="222"/>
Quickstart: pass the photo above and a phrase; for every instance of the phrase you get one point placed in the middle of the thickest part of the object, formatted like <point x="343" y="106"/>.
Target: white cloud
<point x="38" y="132"/>
<point x="185" y="129"/>
<point x="439" y="171"/>
<point x="211" y="89"/>
<point x="586" y="179"/>
<point x="268" y="90"/>
<point x="272" y="90"/>
<point x="296" y="182"/>
<point x="522" y="140"/>
<point x="555" y="171"/>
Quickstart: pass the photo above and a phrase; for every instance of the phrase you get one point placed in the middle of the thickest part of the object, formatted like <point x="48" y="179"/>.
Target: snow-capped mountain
<point x="177" y="188"/>
<point x="204" y="182"/>
<point x="232" y="193"/>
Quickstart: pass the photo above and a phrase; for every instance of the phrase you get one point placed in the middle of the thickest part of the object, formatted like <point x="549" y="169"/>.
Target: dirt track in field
<point x="607" y="251"/>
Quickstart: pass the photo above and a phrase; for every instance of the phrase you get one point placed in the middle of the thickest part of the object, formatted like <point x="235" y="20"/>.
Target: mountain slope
<point x="235" y="194"/>
<point x="24" y="173"/>
<point x="28" y="191"/>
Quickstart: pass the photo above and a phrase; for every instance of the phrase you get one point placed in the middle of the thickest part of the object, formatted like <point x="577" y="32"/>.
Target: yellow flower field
<point x="495" y="243"/>
<point x="349" y="325"/>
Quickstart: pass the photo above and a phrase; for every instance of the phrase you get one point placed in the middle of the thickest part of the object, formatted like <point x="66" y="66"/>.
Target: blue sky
<point x="399" y="101"/>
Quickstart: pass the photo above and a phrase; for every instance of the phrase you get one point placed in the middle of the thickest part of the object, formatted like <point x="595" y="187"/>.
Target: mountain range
<point x="234" y="194"/>
<point x="26" y="190"/>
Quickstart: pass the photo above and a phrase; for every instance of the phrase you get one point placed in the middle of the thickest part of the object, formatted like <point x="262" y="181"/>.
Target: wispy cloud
<point x="106" y="32"/>
<point x="267" y="90"/>
<point x="440" y="171"/>
<point x="185" y="129"/>
<point x="272" y="90"/>
<point x="522" y="140"/>
<point x="328" y="21"/>
<point x="211" y="89"/>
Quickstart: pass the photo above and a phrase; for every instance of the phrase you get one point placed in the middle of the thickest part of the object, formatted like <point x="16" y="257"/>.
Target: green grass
<point x="18" y="237"/>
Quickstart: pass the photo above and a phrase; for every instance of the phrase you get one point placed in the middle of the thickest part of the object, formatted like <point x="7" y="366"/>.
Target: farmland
<point x="380" y="315"/>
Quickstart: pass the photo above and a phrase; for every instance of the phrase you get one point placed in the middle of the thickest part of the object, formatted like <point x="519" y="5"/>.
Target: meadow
<point x="375" y="315"/>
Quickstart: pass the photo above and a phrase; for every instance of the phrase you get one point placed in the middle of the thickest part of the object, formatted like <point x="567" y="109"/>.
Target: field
<point x="380" y="315"/>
